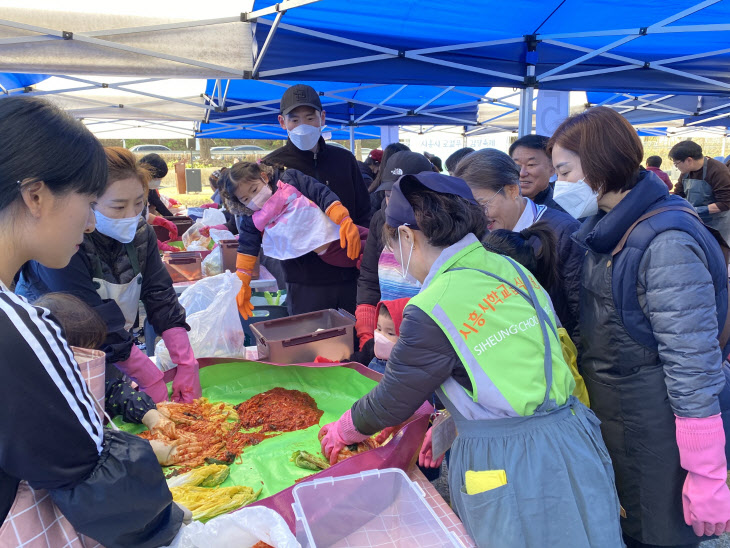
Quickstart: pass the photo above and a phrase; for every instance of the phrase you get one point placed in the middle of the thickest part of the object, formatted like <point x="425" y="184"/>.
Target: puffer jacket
<point x="566" y="296"/>
<point x="250" y="237"/>
<point x="160" y="301"/>
<point x="669" y="276"/>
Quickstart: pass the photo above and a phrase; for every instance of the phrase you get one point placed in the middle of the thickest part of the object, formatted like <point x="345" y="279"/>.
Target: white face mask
<point x="577" y="199"/>
<point x="304" y="136"/>
<point x="258" y="201"/>
<point x="404" y="274"/>
<point x="383" y="346"/>
<point x="122" y="230"/>
<point x="155" y="184"/>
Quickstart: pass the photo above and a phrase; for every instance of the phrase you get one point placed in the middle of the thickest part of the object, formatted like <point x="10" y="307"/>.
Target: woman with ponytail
<point x="534" y="247"/>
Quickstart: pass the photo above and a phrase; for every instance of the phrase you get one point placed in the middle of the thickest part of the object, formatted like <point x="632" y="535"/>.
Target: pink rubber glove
<point x="425" y="409"/>
<point x="425" y="457"/>
<point x="145" y="373"/>
<point x="338" y="434"/>
<point x="211" y="205"/>
<point x="169" y="225"/>
<point x="705" y="496"/>
<point x="186" y="384"/>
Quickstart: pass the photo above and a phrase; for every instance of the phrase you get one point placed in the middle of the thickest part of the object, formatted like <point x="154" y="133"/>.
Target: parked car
<point x="248" y="148"/>
<point x="150" y="148"/>
<point x="220" y="149"/>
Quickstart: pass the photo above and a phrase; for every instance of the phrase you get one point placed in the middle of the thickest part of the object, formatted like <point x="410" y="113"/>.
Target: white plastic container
<point x="380" y="508"/>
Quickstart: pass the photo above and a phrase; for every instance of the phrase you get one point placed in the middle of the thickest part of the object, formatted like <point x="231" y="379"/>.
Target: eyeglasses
<point x="677" y="162"/>
<point x="485" y="205"/>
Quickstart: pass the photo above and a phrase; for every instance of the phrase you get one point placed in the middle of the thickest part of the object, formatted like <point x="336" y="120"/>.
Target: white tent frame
<point x="530" y="80"/>
<point x="621" y="102"/>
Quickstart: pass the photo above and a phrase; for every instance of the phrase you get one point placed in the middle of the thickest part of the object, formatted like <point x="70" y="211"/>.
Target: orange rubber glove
<point x="244" y="271"/>
<point x="349" y="234"/>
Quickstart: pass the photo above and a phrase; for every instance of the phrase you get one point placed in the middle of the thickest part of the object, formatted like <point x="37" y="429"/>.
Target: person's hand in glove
<point x="169" y="225"/>
<point x="186" y="384"/>
<point x="158" y="423"/>
<point x="211" y="205"/>
<point x="244" y="270"/>
<point x="336" y="435"/>
<point x="349" y="234"/>
<point x="145" y="373"/>
<point x="705" y="496"/>
<point x="425" y="457"/>
<point x="162" y="246"/>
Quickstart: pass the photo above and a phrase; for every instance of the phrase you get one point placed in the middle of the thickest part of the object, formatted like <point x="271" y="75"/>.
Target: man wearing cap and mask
<point x="312" y="284"/>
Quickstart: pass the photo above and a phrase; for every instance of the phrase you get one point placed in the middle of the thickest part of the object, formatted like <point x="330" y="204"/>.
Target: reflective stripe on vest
<point x="483" y="319"/>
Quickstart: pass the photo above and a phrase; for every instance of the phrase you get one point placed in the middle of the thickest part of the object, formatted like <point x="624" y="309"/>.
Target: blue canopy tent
<point x="11" y="83"/>
<point x="242" y="103"/>
<point x="677" y="46"/>
<point x="269" y="131"/>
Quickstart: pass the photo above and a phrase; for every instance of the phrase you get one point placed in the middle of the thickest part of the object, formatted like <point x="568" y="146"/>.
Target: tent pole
<point x="724" y="142"/>
<point x="526" y="107"/>
<point x="352" y="127"/>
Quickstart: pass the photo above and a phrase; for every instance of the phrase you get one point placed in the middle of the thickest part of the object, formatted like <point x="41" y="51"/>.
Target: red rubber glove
<point x="365" y="323"/>
<point x="322" y="359"/>
<point x="186" y="384"/>
<point x="162" y="246"/>
<point x="244" y="270"/>
<point x="338" y="434"/>
<point x="173" y="202"/>
<point x="169" y="225"/>
<point x="705" y="496"/>
<point x="349" y="234"/>
<point x="145" y="373"/>
<point x="425" y="457"/>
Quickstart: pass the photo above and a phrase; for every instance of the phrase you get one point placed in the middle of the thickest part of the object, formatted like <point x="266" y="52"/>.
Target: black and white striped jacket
<point x="108" y="484"/>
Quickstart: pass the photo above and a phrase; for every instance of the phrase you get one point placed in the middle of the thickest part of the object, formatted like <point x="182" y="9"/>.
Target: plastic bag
<point x="194" y="240"/>
<point x="243" y="529"/>
<point x="213" y="263"/>
<point x="212" y="314"/>
<point x="213" y="217"/>
<point x="218" y="235"/>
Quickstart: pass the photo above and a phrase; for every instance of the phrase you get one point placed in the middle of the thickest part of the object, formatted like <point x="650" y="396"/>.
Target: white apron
<point x="125" y="295"/>
<point x="34" y="521"/>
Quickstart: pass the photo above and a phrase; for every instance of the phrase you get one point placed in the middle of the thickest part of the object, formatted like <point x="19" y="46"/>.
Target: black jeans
<point x="303" y="298"/>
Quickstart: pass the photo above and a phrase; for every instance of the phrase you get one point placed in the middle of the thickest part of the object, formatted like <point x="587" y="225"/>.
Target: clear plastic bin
<point x="380" y="508"/>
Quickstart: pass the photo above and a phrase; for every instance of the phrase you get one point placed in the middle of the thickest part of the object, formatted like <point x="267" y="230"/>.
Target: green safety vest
<point x="496" y="332"/>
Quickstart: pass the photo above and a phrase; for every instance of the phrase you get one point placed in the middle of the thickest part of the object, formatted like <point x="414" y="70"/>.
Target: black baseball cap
<point x="399" y="211"/>
<point x="299" y="95"/>
<point x="402" y="163"/>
